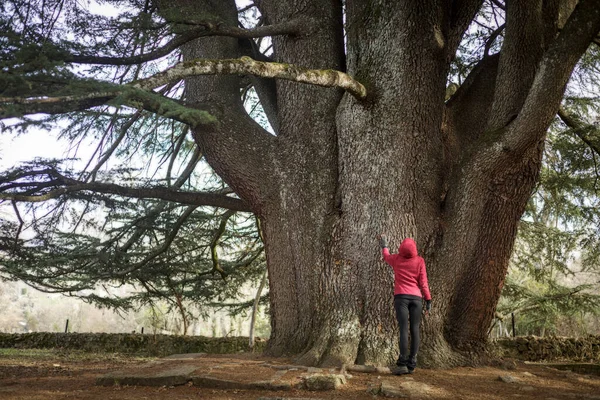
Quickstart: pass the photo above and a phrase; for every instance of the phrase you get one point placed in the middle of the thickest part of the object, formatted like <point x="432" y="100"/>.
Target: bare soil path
<point x="45" y="374"/>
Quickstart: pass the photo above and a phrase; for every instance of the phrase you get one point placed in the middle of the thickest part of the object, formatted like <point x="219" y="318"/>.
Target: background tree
<point x="553" y="283"/>
<point x="387" y="148"/>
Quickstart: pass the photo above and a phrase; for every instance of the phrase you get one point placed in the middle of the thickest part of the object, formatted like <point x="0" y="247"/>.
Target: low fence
<point x="143" y="345"/>
<point x="533" y="348"/>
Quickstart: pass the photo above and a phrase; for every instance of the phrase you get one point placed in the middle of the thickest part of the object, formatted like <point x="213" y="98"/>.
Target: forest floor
<point x="51" y="374"/>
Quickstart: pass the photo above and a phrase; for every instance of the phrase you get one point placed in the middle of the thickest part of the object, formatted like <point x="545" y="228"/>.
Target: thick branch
<point x="205" y="28"/>
<point x="521" y="52"/>
<point x="248" y="66"/>
<point x="552" y="77"/>
<point x="73" y="185"/>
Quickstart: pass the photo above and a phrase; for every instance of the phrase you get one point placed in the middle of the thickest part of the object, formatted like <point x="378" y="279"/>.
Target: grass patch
<point x="69" y="355"/>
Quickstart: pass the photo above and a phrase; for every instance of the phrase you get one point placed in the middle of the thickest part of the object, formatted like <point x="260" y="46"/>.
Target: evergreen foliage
<point x="80" y="240"/>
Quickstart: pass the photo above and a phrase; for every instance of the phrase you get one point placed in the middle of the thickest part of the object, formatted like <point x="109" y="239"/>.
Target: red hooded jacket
<point x="410" y="276"/>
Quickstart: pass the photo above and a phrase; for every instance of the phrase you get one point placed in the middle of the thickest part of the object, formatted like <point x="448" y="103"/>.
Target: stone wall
<point x="527" y="348"/>
<point x="533" y="348"/>
<point x="146" y="345"/>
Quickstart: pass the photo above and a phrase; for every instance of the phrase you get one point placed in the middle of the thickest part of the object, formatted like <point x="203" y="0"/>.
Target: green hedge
<point x="533" y="348"/>
<point x="147" y="345"/>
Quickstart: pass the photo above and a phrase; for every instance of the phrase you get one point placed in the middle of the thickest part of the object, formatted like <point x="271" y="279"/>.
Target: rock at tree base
<point x="323" y="382"/>
<point x="187" y="356"/>
<point x="508" y="379"/>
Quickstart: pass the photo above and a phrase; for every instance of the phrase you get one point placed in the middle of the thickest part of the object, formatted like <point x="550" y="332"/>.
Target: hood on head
<point x="408" y="248"/>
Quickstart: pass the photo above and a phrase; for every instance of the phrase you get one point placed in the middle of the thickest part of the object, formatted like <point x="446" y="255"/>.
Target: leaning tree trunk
<point x="455" y="176"/>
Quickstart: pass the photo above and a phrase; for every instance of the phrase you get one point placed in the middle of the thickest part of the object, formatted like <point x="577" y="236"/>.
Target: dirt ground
<point x="45" y="374"/>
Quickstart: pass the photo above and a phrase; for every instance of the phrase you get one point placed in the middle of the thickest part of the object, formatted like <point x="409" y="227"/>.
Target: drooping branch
<point x="36" y="192"/>
<point x="204" y="29"/>
<point x="215" y="241"/>
<point x="15" y="107"/>
<point x="248" y="66"/>
<point x="166" y="244"/>
<point x="581" y="129"/>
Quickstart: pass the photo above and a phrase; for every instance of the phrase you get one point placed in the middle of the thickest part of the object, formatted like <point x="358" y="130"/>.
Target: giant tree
<point x="366" y="138"/>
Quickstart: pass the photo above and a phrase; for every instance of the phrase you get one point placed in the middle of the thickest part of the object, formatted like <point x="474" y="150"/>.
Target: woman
<point x="410" y="287"/>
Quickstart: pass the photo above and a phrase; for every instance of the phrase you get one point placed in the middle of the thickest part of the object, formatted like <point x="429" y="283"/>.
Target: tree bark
<point x="454" y="176"/>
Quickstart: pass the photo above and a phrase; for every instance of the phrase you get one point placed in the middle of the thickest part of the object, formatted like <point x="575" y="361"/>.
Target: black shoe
<point x="411" y="370"/>
<point x="411" y="363"/>
<point x="401" y="370"/>
<point x="401" y="362"/>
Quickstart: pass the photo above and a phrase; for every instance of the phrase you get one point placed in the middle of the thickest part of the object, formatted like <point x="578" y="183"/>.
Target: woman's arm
<point x="422" y="281"/>
<point x="384" y="249"/>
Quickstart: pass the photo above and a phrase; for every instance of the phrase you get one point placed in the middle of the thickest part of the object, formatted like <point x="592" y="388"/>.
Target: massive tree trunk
<point x="453" y="175"/>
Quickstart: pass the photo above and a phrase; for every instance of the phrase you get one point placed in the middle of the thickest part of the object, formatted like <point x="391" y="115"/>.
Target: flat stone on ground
<point x="508" y="379"/>
<point x="405" y="389"/>
<point x="218" y="383"/>
<point x="172" y="376"/>
<point x="324" y="381"/>
<point x="189" y="356"/>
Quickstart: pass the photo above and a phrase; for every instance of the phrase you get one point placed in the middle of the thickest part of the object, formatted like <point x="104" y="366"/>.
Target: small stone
<point x="390" y="390"/>
<point x="324" y="382"/>
<point x="360" y="368"/>
<point x="374" y="389"/>
<point x="527" y="388"/>
<point x="508" y="378"/>
<point x="509" y="365"/>
<point x="529" y="374"/>
<point x="313" y="370"/>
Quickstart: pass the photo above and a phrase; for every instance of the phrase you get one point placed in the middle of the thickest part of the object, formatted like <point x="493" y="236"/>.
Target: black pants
<point x="408" y="308"/>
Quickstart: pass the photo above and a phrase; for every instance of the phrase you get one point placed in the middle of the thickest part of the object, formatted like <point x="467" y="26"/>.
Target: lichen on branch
<point x="248" y="66"/>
